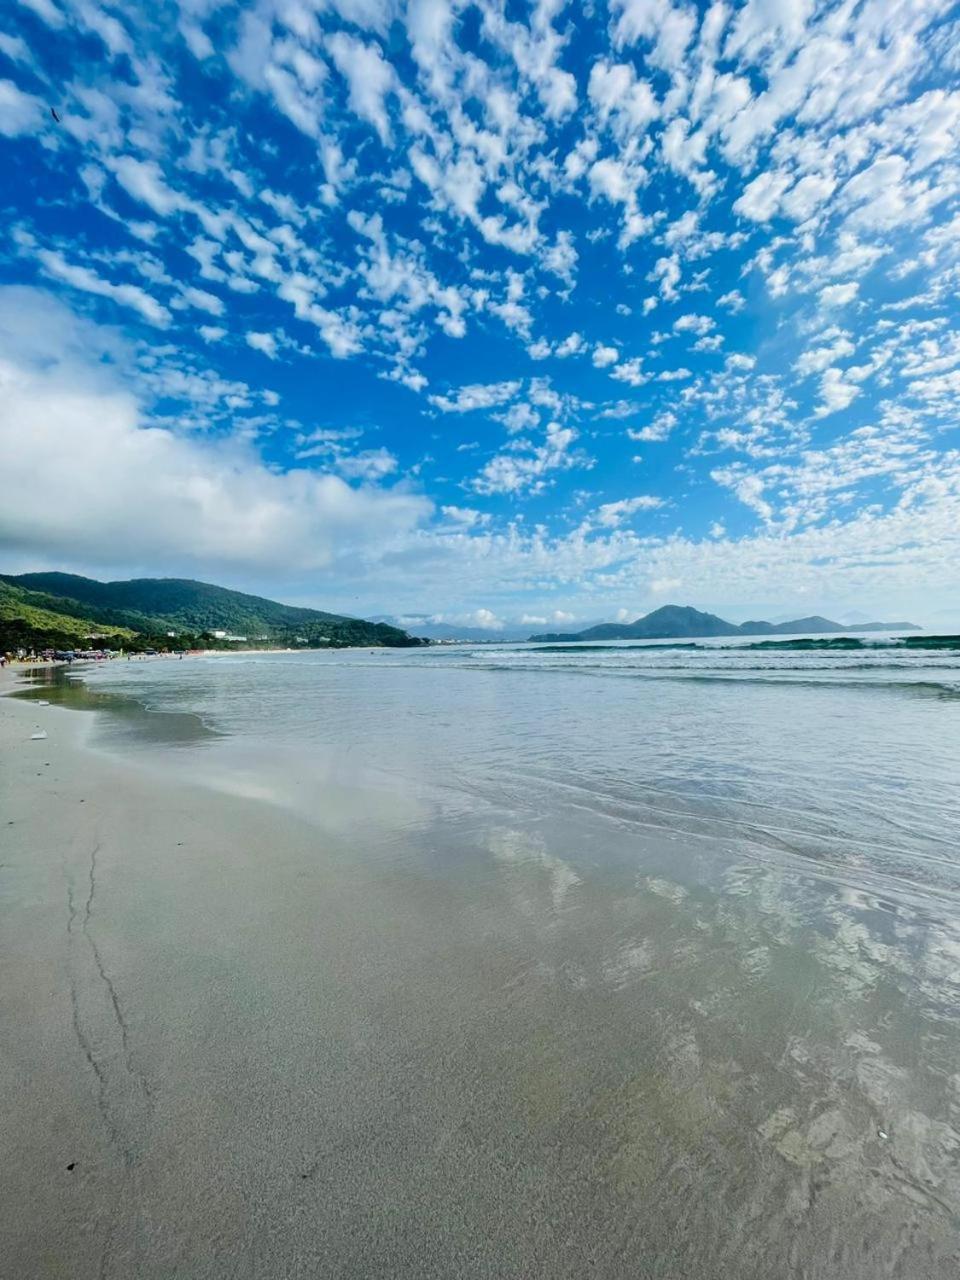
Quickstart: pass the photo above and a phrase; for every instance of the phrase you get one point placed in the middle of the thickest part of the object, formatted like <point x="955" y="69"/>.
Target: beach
<point x="110" y="953"/>
<point x="268" y="1013"/>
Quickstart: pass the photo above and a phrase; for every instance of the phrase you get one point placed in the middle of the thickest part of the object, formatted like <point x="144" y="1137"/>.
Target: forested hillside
<point x="146" y="610"/>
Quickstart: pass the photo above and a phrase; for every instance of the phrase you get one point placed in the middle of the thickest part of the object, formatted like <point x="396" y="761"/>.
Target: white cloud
<point x="609" y="178"/>
<point x="20" y="112"/>
<point x="620" y="99"/>
<point x="803" y="200"/>
<point x="143" y="180"/>
<point x="834" y="345"/>
<point x="88" y="281"/>
<point x="46" y="10"/>
<point x="617" y="181"/>
<point x="481" y="619"/>
<point x="15" y="48"/>
<point x="691" y="323"/>
<point x="202" y="300"/>
<point x="604" y="356"/>
<point x="667" y="271"/>
<point x="486" y="620"/>
<point x="657" y="430"/>
<point x="838" y="295"/>
<point x="750" y="489"/>
<point x="561" y="257"/>
<point x="835" y="392"/>
<point x="369" y="465"/>
<point x="160" y="499"/>
<point x="734" y="301"/>
<point x="761" y="198"/>
<point x="630" y="371"/>
<point x="519" y="417"/>
<point x="467" y="517"/>
<point x="524" y="465"/>
<point x="369" y="76"/>
<point x="283" y="68"/>
<point x="738" y="363"/>
<point x="571" y="345"/>
<point x="263" y="342"/>
<point x="670" y="28"/>
<point x="477" y="395"/>
<point x="613" y="514"/>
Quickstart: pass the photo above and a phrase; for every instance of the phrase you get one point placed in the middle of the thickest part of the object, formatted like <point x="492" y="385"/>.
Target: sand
<point x="205" y="1066"/>
<point x="144" y="1131"/>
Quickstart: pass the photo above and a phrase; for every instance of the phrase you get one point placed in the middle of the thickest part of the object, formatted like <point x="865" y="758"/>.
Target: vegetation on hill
<point x="27" y="621"/>
<point x="145" y="610"/>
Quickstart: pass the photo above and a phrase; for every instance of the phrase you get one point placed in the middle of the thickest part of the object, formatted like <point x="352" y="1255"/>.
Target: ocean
<point x="839" y="761"/>
<point x="655" y="967"/>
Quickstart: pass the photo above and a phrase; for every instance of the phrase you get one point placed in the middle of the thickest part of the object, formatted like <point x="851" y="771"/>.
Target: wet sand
<point x="236" y="1043"/>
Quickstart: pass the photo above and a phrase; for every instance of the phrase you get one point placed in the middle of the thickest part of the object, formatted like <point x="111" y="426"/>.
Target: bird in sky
<point x="54" y="114"/>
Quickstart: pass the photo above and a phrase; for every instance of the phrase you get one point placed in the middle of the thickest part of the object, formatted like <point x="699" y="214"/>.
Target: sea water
<point x="657" y="964"/>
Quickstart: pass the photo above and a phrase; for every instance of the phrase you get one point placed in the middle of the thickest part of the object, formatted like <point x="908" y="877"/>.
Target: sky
<point x="492" y="312"/>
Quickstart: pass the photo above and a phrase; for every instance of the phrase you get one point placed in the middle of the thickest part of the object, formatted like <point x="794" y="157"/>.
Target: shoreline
<point x="15" y="665"/>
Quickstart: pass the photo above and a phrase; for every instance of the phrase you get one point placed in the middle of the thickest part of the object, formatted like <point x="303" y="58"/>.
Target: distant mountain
<point x="152" y="607"/>
<point x="674" y="622"/>
<point x="817" y="626"/>
<point x="665" y="623"/>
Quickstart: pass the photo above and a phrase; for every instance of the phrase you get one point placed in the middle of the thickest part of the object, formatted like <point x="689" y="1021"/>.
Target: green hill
<point x="152" y="607"/>
<point x="28" y="621"/>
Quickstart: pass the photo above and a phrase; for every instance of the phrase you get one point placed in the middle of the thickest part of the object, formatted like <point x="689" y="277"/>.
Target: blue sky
<point x="486" y="311"/>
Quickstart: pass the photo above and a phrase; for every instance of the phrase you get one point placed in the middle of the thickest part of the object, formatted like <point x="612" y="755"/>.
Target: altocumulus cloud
<point x="366" y="283"/>
<point x="90" y="483"/>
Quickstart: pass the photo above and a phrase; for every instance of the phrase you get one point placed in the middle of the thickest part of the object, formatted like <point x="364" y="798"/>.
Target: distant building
<point x="219" y="635"/>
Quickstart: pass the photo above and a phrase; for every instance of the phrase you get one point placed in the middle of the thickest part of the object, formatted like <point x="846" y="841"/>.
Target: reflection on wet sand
<point x="123" y="720"/>
<point x="794" y="1105"/>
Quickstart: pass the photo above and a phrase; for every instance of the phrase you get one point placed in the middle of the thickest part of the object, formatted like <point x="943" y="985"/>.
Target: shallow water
<point x="850" y="761"/>
<point x="658" y="950"/>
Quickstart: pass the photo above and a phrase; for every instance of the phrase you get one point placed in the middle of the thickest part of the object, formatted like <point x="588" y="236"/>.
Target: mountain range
<point x="673" y="622"/>
<point x="63" y="610"/>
